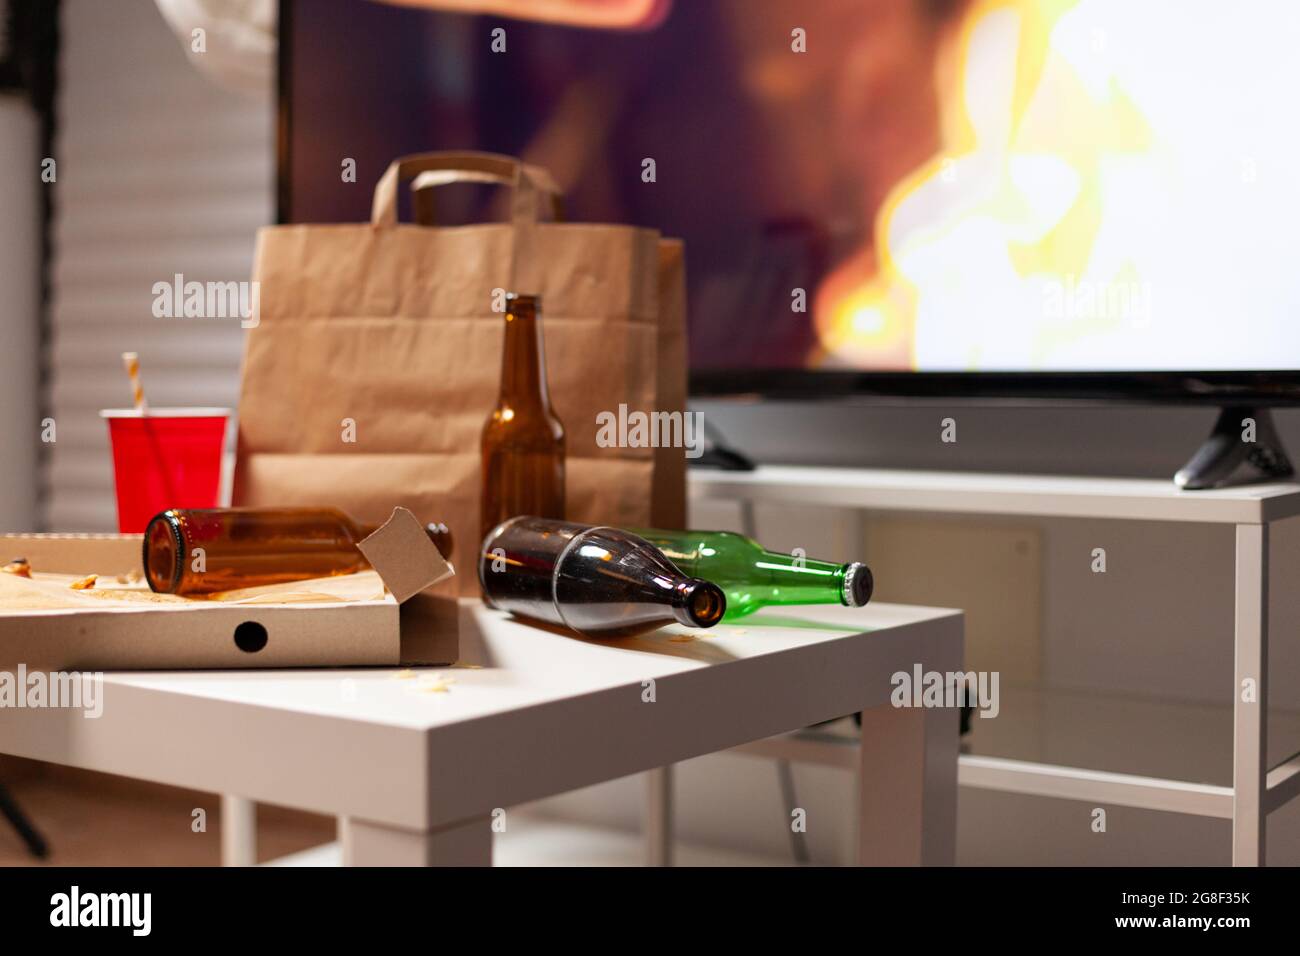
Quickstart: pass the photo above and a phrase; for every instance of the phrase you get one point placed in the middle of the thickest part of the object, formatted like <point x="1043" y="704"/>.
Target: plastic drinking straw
<point x="132" y="362"/>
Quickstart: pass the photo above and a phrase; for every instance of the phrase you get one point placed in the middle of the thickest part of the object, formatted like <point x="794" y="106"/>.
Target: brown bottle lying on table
<point x="597" y="581"/>
<point x="200" y="551"/>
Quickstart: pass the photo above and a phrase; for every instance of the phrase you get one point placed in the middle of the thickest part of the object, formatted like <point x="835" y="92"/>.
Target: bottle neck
<point x="797" y="563"/>
<point x="523" y="358"/>
<point x="796" y="579"/>
<point x="795" y="567"/>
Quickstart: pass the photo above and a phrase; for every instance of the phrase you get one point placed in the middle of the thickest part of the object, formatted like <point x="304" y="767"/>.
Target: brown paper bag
<point x="377" y="357"/>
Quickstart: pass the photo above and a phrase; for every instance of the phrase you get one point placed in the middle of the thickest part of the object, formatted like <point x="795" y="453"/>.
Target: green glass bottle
<point x="753" y="577"/>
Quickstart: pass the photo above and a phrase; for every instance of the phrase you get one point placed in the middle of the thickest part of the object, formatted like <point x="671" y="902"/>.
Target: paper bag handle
<point x="528" y="182"/>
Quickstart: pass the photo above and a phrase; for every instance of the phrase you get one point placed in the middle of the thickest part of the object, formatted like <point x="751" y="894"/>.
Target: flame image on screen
<point x="1115" y="191"/>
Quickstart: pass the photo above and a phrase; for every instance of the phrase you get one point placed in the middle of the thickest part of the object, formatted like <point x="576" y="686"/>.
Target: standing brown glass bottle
<point x="523" y="440"/>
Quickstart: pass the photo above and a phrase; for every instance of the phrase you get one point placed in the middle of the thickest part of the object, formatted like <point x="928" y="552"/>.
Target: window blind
<point x="159" y="172"/>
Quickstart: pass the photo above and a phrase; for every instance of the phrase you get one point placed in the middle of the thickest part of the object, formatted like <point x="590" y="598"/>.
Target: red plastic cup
<point x="165" y="458"/>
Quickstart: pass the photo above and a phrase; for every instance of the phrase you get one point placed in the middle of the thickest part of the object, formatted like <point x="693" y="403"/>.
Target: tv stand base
<point x="1241" y="436"/>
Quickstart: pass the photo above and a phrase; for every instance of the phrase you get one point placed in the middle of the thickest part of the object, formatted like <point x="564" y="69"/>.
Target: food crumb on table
<point x="18" y="566"/>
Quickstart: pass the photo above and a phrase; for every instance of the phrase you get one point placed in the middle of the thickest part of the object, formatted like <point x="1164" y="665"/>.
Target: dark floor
<point x="94" y="819"/>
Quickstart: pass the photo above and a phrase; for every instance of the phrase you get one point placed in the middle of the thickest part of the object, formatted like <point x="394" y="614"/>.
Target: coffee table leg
<point x="238" y="831"/>
<point x="468" y="843"/>
<point x="659" y="816"/>
<point x="907" y="786"/>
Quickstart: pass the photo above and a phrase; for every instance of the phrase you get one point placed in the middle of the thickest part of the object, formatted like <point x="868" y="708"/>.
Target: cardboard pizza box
<point x="376" y="617"/>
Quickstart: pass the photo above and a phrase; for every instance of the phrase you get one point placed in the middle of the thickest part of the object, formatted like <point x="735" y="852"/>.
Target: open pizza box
<point x="382" y="616"/>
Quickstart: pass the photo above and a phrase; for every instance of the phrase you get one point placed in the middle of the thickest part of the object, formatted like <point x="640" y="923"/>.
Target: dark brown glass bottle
<point x="523" y="440"/>
<point x="200" y="551"/>
<point x="598" y="581"/>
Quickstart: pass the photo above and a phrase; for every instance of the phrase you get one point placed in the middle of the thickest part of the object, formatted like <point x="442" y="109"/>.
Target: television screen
<point x="1006" y="186"/>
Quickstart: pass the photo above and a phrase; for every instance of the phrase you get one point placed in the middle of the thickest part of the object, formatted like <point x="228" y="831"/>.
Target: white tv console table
<point x="1256" y="789"/>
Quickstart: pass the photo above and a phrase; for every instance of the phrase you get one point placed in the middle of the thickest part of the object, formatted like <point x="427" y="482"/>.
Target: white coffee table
<point x="419" y="764"/>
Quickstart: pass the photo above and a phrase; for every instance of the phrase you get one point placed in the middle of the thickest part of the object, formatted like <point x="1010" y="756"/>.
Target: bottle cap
<point x="858" y="585"/>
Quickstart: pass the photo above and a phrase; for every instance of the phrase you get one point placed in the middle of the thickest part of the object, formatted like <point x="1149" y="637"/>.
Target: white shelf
<point x="1122" y="733"/>
<point x="1171" y="739"/>
<point x="1176" y="756"/>
<point x="1257" y="788"/>
<point x="979" y="493"/>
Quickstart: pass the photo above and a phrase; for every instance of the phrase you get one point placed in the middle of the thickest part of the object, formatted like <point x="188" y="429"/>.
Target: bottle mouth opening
<point x="702" y="603"/>
<point x="163" y="553"/>
<point x="520" y="305"/>
<point x="858" y="585"/>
